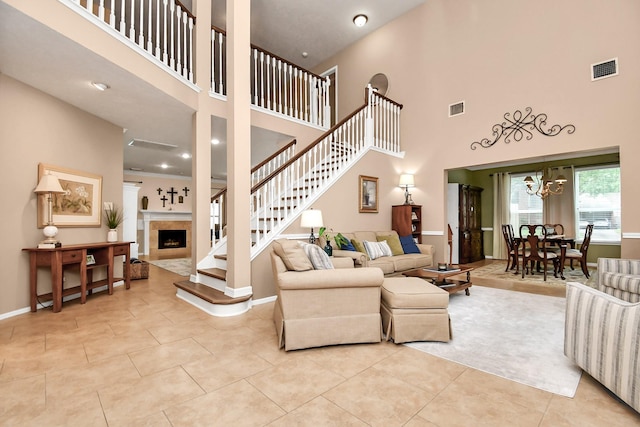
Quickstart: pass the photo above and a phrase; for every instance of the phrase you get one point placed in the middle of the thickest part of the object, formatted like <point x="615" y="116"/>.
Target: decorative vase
<point x="112" y="235"/>
<point x="328" y="249"/>
<point x="145" y="202"/>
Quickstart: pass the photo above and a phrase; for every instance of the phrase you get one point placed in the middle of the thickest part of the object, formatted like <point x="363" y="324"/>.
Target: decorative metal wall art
<point x="521" y="125"/>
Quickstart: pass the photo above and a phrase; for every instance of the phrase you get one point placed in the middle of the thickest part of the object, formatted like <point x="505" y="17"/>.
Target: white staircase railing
<point x="162" y="28"/>
<point x="277" y="85"/>
<point x="278" y="199"/>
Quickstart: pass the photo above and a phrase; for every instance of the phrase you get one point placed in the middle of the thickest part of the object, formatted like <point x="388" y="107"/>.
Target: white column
<point x="239" y="147"/>
<point x="130" y="213"/>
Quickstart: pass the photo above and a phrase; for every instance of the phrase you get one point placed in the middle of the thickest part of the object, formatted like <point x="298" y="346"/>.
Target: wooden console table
<point x="59" y="258"/>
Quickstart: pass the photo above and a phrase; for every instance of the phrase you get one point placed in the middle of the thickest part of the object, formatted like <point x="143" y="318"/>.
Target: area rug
<point x="515" y="335"/>
<point x="181" y="266"/>
<point x="495" y="270"/>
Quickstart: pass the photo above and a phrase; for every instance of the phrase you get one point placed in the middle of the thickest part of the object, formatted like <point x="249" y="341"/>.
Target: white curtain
<point x="560" y="209"/>
<point x="501" y="215"/>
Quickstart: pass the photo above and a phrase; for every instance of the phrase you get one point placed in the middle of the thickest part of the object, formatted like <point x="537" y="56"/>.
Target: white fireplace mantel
<point x="148" y="216"/>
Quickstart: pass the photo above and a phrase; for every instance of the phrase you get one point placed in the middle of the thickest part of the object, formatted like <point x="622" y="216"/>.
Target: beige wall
<point x="500" y="56"/>
<point x="34" y="128"/>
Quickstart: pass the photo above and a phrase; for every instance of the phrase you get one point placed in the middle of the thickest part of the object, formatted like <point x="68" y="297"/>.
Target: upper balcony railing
<point x="277" y="85"/>
<point x="164" y="29"/>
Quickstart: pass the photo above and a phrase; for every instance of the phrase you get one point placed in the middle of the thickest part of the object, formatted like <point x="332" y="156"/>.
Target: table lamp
<point x="406" y="181"/>
<point x="311" y="218"/>
<point x="49" y="185"/>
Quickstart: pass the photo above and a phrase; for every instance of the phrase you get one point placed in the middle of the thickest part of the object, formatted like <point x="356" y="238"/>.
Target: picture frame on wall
<point x="81" y="203"/>
<point x="368" y="194"/>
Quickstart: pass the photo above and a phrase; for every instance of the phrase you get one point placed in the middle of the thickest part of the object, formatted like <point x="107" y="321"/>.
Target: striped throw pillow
<point x="377" y="249"/>
<point x="318" y="257"/>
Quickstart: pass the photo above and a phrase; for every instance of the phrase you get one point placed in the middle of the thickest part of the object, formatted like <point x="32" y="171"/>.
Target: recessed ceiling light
<point x="215" y="141"/>
<point x="360" y="20"/>
<point x="100" y="86"/>
<point x="305" y="54"/>
<point x="186" y="155"/>
<point x="164" y="166"/>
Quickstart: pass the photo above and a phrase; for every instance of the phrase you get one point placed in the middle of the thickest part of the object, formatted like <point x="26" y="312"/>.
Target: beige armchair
<point x="602" y="336"/>
<point x="325" y="307"/>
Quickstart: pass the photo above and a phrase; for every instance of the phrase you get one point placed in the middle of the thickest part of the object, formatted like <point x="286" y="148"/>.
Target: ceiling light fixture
<point x="100" y="86"/>
<point x="164" y="166"/>
<point x="543" y="182"/>
<point x="360" y="20"/>
<point x="215" y="141"/>
<point x="305" y="54"/>
<point x="186" y="155"/>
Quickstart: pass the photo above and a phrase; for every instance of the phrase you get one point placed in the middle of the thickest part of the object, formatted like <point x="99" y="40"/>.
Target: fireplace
<point x="172" y="239"/>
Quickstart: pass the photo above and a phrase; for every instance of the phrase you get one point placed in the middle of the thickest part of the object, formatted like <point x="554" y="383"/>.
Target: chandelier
<point x="542" y="185"/>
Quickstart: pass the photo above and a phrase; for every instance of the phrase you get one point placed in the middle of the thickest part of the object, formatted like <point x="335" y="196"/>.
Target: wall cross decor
<point x="172" y="193"/>
<point x="521" y="125"/>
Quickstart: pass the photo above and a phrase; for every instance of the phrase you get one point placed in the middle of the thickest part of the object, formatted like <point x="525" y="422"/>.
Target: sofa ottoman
<point x="414" y="310"/>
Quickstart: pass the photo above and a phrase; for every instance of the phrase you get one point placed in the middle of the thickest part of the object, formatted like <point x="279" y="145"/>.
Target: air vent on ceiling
<point x="456" y="109"/>
<point x="604" y="69"/>
<point x="152" y="145"/>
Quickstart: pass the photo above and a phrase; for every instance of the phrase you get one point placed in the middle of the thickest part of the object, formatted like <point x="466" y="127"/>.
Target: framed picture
<point x="79" y="206"/>
<point x="368" y="194"/>
<point x="91" y="259"/>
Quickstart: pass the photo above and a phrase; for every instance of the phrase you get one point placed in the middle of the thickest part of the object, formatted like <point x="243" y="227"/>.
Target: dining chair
<point x="534" y="241"/>
<point x="581" y="254"/>
<point x="512" y="247"/>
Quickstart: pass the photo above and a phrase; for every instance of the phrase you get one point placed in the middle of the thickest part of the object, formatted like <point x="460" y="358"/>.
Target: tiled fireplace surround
<point x="163" y="220"/>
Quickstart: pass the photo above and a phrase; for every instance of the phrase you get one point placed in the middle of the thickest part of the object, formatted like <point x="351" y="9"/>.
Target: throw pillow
<point x="394" y="243"/>
<point x="317" y="256"/>
<point x="348" y="247"/>
<point x="358" y="245"/>
<point x="377" y="249"/>
<point x="408" y="245"/>
<point x="292" y="255"/>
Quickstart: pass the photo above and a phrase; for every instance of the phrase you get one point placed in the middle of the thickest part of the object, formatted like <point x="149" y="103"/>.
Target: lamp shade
<point x="48" y="184"/>
<point x="406" y="180"/>
<point x="311" y="218"/>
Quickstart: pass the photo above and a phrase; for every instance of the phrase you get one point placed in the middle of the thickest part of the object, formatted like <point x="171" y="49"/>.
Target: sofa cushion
<point x="377" y="249"/>
<point x="411" y="292"/>
<point x="384" y="263"/>
<point x="409" y="245"/>
<point x="393" y="241"/>
<point x="292" y="255"/>
<point x="318" y="257"/>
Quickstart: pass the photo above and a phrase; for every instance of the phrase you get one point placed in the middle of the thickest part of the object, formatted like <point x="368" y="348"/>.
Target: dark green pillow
<point x="394" y="243"/>
<point x="358" y="245"/>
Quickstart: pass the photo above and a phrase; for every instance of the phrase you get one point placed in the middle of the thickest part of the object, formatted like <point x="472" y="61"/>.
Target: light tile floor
<point x="144" y="358"/>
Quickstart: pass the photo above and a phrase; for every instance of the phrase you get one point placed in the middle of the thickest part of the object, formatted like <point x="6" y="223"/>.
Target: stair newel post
<point x="327" y="105"/>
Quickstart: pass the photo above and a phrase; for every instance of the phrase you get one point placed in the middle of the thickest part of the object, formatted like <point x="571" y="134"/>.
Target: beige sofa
<point x="390" y="265"/>
<point x="324" y="307"/>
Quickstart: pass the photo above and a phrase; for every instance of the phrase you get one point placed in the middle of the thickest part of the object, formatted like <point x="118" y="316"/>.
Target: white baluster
<point x="149" y="28"/>
<point x="279" y="86"/>
<point x="261" y="79"/>
<point x="165" y="57"/>
<point x="291" y="85"/>
<point x="274" y="93"/>
<point x="112" y="14"/>
<point x="213" y="60"/>
<point x="123" y="24"/>
<point x="172" y="7"/>
<point x="132" y="30"/>
<point x="220" y="62"/>
<point x="90" y="6"/>
<point x="157" y="52"/>
<point x="255" y="76"/>
<point x="295" y="93"/>
<point x="267" y="81"/>
<point x="305" y="97"/>
<point x="185" y="25"/>
<point x="141" y="28"/>
<point x="178" y="42"/>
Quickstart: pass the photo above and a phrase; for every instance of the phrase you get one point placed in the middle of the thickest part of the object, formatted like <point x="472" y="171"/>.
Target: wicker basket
<point x="139" y="270"/>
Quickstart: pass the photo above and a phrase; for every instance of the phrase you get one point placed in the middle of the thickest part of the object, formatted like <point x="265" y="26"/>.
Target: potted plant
<point x="338" y="238"/>
<point x="113" y="218"/>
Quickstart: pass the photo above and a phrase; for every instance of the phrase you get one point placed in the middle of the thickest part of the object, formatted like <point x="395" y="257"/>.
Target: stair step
<point x="212" y="296"/>
<point x="216" y="273"/>
<point x="220" y="256"/>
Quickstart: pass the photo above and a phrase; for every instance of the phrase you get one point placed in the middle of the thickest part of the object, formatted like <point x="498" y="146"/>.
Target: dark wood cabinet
<point x="469" y="216"/>
<point x="407" y="220"/>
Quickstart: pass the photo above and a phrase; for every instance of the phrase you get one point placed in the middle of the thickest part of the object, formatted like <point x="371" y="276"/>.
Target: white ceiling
<point x="42" y="58"/>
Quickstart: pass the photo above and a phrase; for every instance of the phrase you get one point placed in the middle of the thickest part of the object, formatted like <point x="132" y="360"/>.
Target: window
<point x="524" y="209"/>
<point x="597" y="191"/>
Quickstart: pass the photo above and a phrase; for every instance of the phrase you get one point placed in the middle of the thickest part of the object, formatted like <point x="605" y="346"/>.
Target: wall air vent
<point x="604" y="69"/>
<point x="456" y="109"/>
<point x="152" y="145"/>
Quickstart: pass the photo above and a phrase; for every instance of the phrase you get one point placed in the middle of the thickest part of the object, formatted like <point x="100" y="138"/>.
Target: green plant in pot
<point x="338" y="238"/>
<point x="113" y="217"/>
